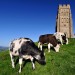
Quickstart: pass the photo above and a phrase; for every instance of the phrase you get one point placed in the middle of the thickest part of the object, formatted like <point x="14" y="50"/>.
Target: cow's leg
<point x="33" y="65"/>
<point x="20" y="63"/>
<point x="57" y="48"/>
<point x="41" y="47"/>
<point x="61" y="41"/>
<point x="38" y="44"/>
<point x="49" y="47"/>
<point x="66" y="40"/>
<point x="12" y="60"/>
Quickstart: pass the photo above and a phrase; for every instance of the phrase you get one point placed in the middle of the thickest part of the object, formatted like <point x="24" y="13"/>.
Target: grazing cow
<point x="61" y="37"/>
<point x="26" y="49"/>
<point x="50" y="39"/>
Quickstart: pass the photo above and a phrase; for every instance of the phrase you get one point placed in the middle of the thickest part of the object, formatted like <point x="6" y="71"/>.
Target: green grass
<point x="62" y="63"/>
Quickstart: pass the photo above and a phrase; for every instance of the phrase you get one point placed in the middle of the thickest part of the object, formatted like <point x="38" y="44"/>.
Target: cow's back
<point x="29" y="48"/>
<point x="52" y="39"/>
<point x="48" y="38"/>
<point x="43" y="39"/>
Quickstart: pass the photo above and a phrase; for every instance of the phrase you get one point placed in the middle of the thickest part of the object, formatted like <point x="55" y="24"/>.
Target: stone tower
<point x="64" y="20"/>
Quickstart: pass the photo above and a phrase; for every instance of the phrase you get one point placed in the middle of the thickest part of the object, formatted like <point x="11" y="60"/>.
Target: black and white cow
<point x="50" y="39"/>
<point x="25" y="49"/>
<point x="61" y="37"/>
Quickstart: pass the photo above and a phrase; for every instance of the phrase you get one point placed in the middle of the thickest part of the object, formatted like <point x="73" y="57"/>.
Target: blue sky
<point x="29" y="18"/>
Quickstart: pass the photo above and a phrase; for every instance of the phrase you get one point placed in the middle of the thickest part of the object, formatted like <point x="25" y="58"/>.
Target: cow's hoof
<point x="19" y="71"/>
<point x="33" y="68"/>
<point x="13" y="66"/>
<point x="48" y="51"/>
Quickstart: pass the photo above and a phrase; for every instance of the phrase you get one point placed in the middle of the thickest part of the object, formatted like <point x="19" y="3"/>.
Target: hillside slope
<point x="62" y="63"/>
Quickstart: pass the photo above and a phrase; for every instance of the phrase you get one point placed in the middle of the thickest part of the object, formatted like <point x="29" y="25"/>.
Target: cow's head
<point x="41" y="58"/>
<point x="64" y="38"/>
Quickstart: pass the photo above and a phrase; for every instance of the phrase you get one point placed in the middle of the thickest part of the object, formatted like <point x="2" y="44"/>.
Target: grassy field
<point x="62" y="63"/>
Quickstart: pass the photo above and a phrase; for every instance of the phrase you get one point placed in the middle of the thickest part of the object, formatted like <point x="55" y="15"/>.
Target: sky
<point x="29" y="18"/>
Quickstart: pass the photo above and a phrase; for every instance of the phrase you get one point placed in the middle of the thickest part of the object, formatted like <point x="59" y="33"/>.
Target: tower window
<point x="65" y="25"/>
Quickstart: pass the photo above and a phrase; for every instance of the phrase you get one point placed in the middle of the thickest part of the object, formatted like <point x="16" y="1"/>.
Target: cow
<point x="25" y="48"/>
<point x="49" y="39"/>
<point x="61" y="37"/>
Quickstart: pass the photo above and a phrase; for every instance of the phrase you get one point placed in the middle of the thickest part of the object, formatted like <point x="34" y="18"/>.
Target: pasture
<point x="61" y="63"/>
